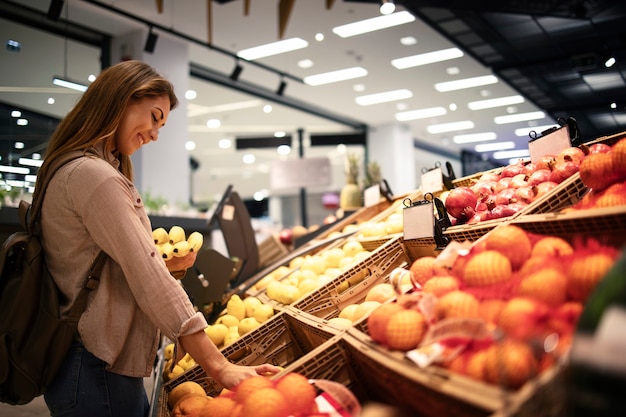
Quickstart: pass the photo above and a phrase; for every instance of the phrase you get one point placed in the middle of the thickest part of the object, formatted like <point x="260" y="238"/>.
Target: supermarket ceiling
<point x="551" y="53"/>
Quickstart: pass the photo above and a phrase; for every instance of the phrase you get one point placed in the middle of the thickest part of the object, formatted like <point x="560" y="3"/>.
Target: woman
<point x="92" y="205"/>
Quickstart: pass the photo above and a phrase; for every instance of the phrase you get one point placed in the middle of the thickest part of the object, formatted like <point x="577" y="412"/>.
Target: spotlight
<point x="387" y="7"/>
<point x="610" y="61"/>
<point x="281" y="87"/>
<point x="236" y="72"/>
<point x="151" y="41"/>
<point x="54" y="11"/>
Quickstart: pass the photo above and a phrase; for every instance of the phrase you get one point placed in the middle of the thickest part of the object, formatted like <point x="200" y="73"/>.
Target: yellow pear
<point x="251" y="303"/>
<point x="263" y="312"/>
<point x="247" y="324"/>
<point x="217" y="333"/>
<point x="227" y="319"/>
<point x="236" y="307"/>
<point x="168" y="351"/>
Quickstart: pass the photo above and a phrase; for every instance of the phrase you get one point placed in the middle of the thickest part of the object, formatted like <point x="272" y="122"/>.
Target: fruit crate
<point x="435" y="391"/>
<point x="609" y="139"/>
<point x="271" y="250"/>
<point x="327" y="301"/>
<point x="282" y="339"/>
<point x="608" y="225"/>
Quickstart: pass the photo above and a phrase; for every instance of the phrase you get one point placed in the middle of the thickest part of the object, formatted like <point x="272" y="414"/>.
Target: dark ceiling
<point x="552" y="52"/>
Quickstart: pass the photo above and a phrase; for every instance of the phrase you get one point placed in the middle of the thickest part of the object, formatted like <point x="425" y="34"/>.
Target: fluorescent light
<point x="273" y="48"/>
<point x="474" y="137"/>
<point x="450" y="127"/>
<point x="30" y="162"/>
<point x="373" y="24"/>
<point x="420" y="114"/>
<point x="383" y="97"/>
<point x="335" y="76"/>
<point x="520" y="117"/>
<point x="427" y="58"/>
<point x="525" y="131"/>
<point x="63" y="82"/>
<point x="498" y="146"/>
<point x="519" y="153"/>
<point x="14" y="170"/>
<point x="387" y="7"/>
<point x="465" y="83"/>
<point x="495" y="102"/>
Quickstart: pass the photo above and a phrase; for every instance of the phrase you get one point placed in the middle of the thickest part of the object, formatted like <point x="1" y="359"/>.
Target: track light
<point x="387" y="7"/>
<point x="55" y="8"/>
<point x="151" y="41"/>
<point x="281" y="87"/>
<point x="236" y="72"/>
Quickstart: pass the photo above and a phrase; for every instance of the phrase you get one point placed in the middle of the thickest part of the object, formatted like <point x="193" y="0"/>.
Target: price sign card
<point x="419" y="221"/>
<point x="432" y="181"/>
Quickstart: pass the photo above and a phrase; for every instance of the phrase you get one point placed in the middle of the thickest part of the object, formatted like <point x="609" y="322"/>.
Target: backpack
<point x="34" y="340"/>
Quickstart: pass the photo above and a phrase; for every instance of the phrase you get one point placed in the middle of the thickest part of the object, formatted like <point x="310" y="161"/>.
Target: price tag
<point x="371" y="195"/>
<point x="419" y="221"/>
<point x="550" y="144"/>
<point x="432" y="181"/>
<point x="228" y="212"/>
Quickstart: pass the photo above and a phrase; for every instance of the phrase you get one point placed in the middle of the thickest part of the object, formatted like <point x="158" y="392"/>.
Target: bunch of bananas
<point x="175" y="243"/>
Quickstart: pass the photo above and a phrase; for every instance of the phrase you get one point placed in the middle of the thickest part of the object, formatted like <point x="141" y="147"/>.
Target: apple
<point x="286" y="236"/>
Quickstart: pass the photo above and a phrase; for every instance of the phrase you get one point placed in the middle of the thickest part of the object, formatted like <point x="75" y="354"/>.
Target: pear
<point x="236" y="307"/>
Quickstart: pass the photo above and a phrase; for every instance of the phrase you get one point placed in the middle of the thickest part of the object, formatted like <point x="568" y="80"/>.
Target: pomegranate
<point x="502" y="184"/>
<point x="599" y="148"/>
<point x="514" y="169"/>
<point x="461" y="203"/>
<point x="546" y="162"/>
<point x="530" y="168"/>
<point x="563" y="170"/>
<point x="489" y="177"/>
<point x="525" y="194"/>
<point x="539" y="176"/>
<point x="504" y="197"/>
<point x="544" y="187"/>
<point x="483" y="188"/>
<point x="519" y="180"/>
<point x="570" y="154"/>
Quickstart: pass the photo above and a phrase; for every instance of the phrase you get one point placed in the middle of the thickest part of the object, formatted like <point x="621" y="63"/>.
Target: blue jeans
<point x="83" y="387"/>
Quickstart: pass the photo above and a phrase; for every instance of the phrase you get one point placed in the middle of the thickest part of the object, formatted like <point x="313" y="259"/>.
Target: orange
<point x="511" y="241"/>
<point x="423" y="269"/>
<point x="378" y="320"/>
<point x="585" y="273"/>
<point x="457" y="304"/>
<point x="547" y="285"/>
<point x="487" y="268"/>
<point x="298" y="392"/>
<point x="222" y="407"/>
<point x="250" y="385"/>
<point x="265" y="402"/>
<point x="510" y="364"/>
<point x="405" y="330"/>
<point x="551" y="246"/>
<point x="441" y="285"/>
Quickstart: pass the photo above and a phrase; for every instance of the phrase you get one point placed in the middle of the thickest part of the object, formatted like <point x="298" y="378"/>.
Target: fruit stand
<point x="481" y="327"/>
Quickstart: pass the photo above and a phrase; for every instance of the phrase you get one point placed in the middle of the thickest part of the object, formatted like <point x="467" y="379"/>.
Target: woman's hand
<point x="179" y="265"/>
<point x="230" y="375"/>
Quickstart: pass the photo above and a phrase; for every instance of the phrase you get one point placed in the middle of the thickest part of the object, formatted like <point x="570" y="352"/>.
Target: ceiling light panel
<point x="427" y="58"/>
<point x="384" y="97"/>
<point x="520" y="117"/>
<point x="420" y="114"/>
<point x="519" y="153"/>
<point x="498" y="146"/>
<point x="450" y="127"/>
<point x="495" y="102"/>
<point x="373" y="24"/>
<point x="474" y="137"/>
<point x="273" y="48"/>
<point x="335" y="76"/>
<point x="466" y="83"/>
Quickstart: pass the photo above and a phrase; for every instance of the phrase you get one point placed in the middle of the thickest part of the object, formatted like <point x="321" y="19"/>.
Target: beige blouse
<point x="90" y="205"/>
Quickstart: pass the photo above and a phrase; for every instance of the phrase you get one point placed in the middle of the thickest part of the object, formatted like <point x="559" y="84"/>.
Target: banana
<point x="167" y="251"/>
<point x="195" y="239"/>
<point x="181" y="249"/>
<point x="160" y="236"/>
<point x="176" y="234"/>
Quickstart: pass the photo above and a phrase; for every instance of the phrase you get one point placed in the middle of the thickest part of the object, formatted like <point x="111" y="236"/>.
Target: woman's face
<point x="140" y="123"/>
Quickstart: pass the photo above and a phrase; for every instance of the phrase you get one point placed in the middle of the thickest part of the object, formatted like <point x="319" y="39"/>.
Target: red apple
<point x="286" y="236"/>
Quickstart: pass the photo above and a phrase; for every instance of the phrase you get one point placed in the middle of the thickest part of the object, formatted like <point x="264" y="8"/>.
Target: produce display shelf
<point x="327" y="301"/>
<point x="281" y="340"/>
<point x="435" y="391"/>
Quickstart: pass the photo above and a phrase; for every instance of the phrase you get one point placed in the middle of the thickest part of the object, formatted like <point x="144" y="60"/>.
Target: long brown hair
<point x="97" y="115"/>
